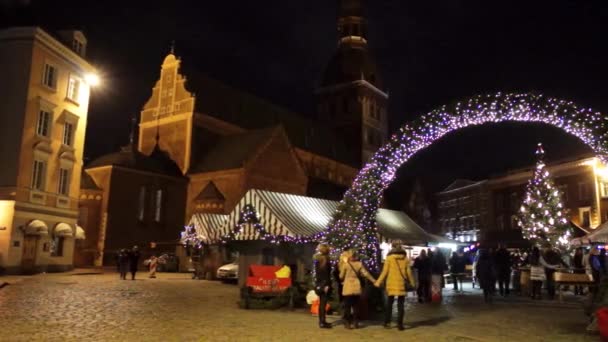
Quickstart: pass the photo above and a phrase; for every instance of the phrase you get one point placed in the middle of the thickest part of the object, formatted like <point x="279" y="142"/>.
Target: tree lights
<point x="542" y="217"/>
<point x="354" y="225"/>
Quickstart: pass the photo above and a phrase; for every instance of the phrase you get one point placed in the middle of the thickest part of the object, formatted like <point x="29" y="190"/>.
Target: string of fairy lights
<point x="354" y="223"/>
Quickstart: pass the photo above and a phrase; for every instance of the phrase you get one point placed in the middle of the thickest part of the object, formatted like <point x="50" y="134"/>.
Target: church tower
<point x="351" y="98"/>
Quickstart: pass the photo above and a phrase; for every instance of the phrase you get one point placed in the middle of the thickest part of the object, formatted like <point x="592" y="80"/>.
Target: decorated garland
<point x="354" y="225"/>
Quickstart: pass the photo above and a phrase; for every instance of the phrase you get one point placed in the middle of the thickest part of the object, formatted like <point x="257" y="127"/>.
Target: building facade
<point x="43" y="117"/>
<point x="496" y="201"/>
<point x="463" y="209"/>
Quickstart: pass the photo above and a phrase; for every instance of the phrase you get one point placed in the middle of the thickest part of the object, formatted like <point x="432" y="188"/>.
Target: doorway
<point x="30" y="247"/>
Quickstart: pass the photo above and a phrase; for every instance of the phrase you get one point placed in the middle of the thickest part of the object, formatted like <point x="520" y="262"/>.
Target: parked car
<point x="168" y="262"/>
<point x="228" y="272"/>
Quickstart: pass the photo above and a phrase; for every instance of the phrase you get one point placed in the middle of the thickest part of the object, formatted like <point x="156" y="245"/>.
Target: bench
<point x="575" y="279"/>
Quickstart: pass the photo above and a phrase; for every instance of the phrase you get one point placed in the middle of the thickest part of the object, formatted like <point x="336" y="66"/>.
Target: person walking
<point x="423" y="265"/>
<point x="152" y="264"/>
<point x="351" y="275"/>
<point x="322" y="266"/>
<point x="457" y="268"/>
<point x="342" y="262"/>
<point x="486" y="274"/>
<point x="396" y="271"/>
<point x="123" y="263"/>
<point x="438" y="267"/>
<point x="133" y="261"/>
<point x="502" y="263"/>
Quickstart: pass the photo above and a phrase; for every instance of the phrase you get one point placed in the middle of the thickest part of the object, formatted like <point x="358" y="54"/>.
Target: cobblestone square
<point x="100" y="307"/>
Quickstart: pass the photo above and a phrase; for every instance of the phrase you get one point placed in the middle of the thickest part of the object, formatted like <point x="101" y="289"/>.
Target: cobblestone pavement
<point x="60" y="307"/>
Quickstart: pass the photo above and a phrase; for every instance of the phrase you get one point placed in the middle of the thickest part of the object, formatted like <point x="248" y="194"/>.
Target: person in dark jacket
<point x="123" y="263"/>
<point x="458" y="265"/>
<point x="438" y="267"/>
<point x="486" y="274"/>
<point x="322" y="284"/>
<point x="502" y="264"/>
<point x="552" y="257"/>
<point x="579" y="267"/>
<point x="133" y="261"/>
<point x="423" y="265"/>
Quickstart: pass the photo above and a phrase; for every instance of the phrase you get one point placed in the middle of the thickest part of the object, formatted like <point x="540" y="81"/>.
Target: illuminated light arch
<point x="353" y="225"/>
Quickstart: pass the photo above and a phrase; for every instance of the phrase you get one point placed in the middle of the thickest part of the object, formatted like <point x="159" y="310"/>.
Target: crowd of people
<point x="491" y="269"/>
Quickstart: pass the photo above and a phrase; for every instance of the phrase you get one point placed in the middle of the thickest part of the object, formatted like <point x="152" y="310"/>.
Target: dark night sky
<point x="429" y="52"/>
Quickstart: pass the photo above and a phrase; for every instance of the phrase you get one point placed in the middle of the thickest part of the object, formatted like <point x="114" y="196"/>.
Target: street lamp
<point x="92" y="79"/>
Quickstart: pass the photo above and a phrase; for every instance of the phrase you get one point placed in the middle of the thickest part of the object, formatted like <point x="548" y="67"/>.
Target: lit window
<point x="64" y="182"/>
<point x="43" y="124"/>
<point x="73" y="89"/>
<point x="604" y="188"/>
<point x="68" y="133"/>
<point x="141" y="203"/>
<point x="158" y="200"/>
<point x="38" y="175"/>
<point x="49" y="77"/>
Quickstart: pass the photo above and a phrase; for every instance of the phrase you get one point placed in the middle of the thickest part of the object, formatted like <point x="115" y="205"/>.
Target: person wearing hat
<point x="396" y="271"/>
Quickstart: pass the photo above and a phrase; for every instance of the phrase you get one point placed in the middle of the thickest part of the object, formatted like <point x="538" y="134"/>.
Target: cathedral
<point x="201" y="145"/>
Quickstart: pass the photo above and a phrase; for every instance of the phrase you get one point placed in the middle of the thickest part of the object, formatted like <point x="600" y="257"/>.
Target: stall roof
<point x="292" y="215"/>
<point x="208" y="226"/>
<point x="598" y="235"/>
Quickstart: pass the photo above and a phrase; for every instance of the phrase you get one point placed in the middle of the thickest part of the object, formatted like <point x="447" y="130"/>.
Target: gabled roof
<point x="157" y="162"/>
<point x="210" y="192"/>
<point x="87" y="183"/>
<point x="231" y="152"/>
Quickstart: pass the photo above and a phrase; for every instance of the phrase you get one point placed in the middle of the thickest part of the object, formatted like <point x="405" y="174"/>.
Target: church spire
<point x="352" y="26"/>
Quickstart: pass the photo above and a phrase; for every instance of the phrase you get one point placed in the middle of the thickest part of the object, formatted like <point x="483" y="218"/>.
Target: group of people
<point x="127" y="260"/>
<point x="395" y="277"/>
<point x="427" y="264"/>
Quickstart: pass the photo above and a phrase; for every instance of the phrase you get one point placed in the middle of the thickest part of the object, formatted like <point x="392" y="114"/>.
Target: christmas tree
<point x="542" y="216"/>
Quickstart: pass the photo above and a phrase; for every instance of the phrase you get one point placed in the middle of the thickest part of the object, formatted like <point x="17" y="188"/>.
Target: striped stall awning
<point x="300" y="216"/>
<point x="280" y="214"/>
<point x="208" y="226"/>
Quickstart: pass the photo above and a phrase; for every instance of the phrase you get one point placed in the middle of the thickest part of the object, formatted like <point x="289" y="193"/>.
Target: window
<point x="64" y="182"/>
<point x="38" y="175"/>
<point x="141" y="203"/>
<point x="73" y="89"/>
<point x="604" y="189"/>
<point x="57" y="246"/>
<point x="158" y="202"/>
<point x="68" y="133"/>
<point x="49" y="78"/>
<point x="43" y="124"/>
<point x="583" y="191"/>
